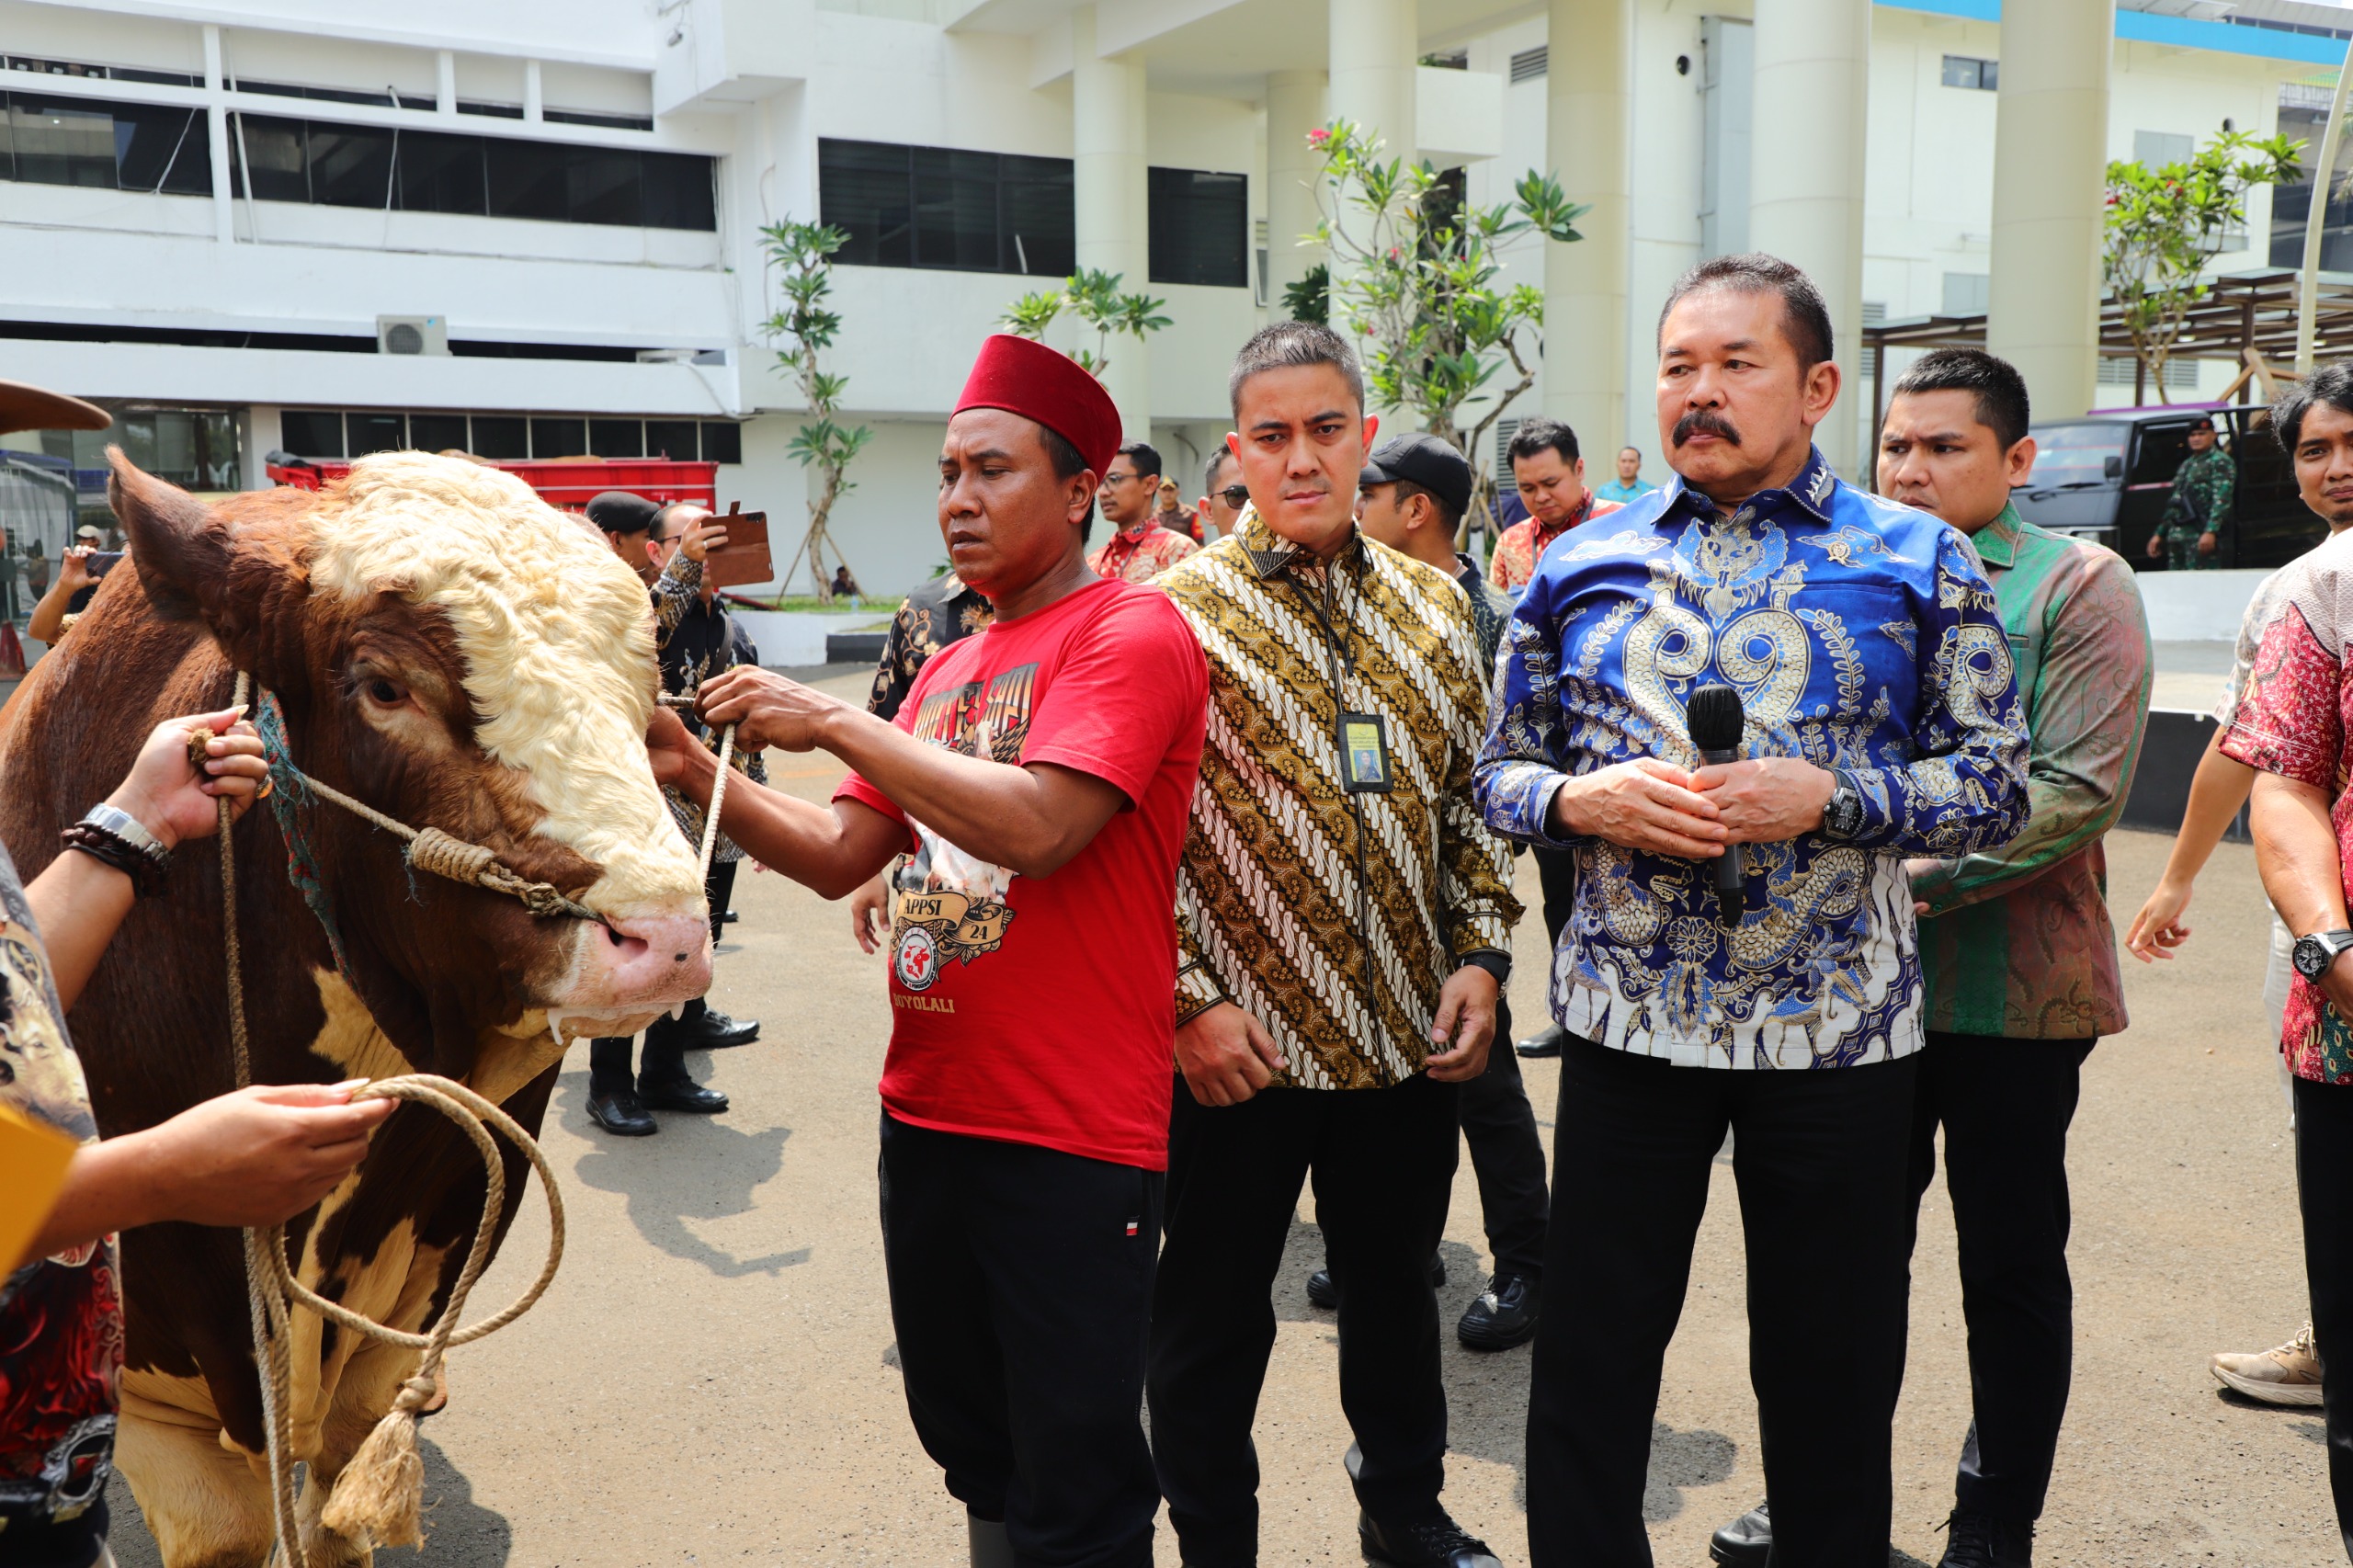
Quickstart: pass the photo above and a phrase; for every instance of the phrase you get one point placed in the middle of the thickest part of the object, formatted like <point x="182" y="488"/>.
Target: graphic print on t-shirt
<point x="952" y="906"/>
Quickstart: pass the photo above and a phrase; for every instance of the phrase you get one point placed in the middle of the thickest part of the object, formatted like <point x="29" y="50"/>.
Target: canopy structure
<point x="2241" y="311"/>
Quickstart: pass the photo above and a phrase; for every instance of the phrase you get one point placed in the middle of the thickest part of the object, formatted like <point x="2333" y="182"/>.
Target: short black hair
<point x="1539" y="434"/>
<point x="2330" y="384"/>
<point x="1805" y="320"/>
<point x="1407" y="490"/>
<point x="1218" y="454"/>
<point x="1630" y="447"/>
<point x="1067" y="463"/>
<point x="1289" y="344"/>
<point x="1145" y="455"/>
<point x="2000" y="390"/>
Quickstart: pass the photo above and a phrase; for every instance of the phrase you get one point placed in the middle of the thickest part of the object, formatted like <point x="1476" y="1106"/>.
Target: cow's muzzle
<point x="649" y="962"/>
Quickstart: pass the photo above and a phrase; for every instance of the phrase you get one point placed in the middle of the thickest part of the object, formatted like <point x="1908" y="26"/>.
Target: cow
<point x="442" y="645"/>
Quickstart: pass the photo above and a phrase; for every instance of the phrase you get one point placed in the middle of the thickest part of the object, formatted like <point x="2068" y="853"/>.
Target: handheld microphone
<point x="1716" y="721"/>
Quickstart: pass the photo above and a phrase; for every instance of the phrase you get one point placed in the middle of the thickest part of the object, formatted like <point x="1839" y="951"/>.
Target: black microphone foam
<point x="1716" y="720"/>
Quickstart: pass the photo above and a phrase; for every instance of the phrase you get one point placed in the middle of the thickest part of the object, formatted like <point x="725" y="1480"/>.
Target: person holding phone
<point x="78" y="572"/>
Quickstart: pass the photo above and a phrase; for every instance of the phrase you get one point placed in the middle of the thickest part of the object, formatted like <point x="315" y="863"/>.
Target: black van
<point x="2106" y="476"/>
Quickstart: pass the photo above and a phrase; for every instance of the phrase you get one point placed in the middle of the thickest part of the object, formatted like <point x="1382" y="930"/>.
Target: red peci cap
<point x="1030" y="379"/>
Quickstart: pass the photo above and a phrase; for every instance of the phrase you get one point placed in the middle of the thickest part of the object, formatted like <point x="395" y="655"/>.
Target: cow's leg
<point x="205" y="1503"/>
<point x="363" y="1392"/>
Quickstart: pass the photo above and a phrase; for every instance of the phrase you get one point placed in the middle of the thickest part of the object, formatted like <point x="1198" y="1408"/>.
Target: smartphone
<point x="101" y="561"/>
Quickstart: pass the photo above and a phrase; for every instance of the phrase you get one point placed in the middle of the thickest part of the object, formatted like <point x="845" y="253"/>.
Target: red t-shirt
<point x="1043" y="1009"/>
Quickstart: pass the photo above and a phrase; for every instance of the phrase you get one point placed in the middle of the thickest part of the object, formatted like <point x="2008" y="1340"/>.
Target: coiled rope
<point x="379" y="1498"/>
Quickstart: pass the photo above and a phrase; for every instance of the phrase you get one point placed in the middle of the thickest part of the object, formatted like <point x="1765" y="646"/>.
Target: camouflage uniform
<point x="2200" y="503"/>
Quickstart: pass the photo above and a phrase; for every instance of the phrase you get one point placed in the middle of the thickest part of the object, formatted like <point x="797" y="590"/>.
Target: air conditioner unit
<point x="413" y="334"/>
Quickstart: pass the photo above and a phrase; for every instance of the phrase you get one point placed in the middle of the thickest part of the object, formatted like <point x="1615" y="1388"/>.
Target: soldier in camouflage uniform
<point x="2199" y="507"/>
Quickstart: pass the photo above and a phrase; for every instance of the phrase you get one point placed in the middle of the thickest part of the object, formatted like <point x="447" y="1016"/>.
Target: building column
<point x="2050" y="171"/>
<point x="1108" y="180"/>
<point x="1588" y="103"/>
<point x="216" y="127"/>
<point x="1296" y="104"/>
<point x="1805" y="185"/>
<point x="1375" y="50"/>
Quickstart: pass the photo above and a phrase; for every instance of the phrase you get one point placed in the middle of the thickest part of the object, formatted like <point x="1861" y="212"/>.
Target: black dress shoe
<point x="1981" y="1541"/>
<point x="730" y="918"/>
<point x="682" y="1094"/>
<point x="1544" y="1042"/>
<point x="1322" y="1293"/>
<point x="1746" y="1543"/>
<point x="714" y="1030"/>
<point x="1502" y="1315"/>
<point x="1438" y="1542"/>
<point x="620" y="1113"/>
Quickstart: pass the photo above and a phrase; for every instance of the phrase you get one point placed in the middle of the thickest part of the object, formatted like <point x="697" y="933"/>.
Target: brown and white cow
<point x="450" y="650"/>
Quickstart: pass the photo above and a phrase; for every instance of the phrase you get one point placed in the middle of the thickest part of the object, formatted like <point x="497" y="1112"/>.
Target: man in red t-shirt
<point x="1041" y="773"/>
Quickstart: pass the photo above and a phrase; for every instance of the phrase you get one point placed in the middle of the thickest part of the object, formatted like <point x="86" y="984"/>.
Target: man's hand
<point x="2157" y="545"/>
<point x="1917" y="871"/>
<point x="767" y="709"/>
<point x="670" y="748"/>
<point x="1768" y="799"/>
<point x="869" y="917"/>
<point x="2209" y="543"/>
<point x="74" y="569"/>
<point x="1466" y="1015"/>
<point x="1645" y="804"/>
<point x="170" y="797"/>
<point x="1227" y="1056"/>
<point x="2157" y="930"/>
<point x="703" y="535"/>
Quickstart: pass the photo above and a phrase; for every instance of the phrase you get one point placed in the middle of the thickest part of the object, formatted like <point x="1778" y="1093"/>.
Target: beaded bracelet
<point x="146" y="872"/>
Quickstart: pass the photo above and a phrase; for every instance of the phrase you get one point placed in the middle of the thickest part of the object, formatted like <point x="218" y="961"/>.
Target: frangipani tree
<point x="1095" y="299"/>
<point x="803" y="255"/>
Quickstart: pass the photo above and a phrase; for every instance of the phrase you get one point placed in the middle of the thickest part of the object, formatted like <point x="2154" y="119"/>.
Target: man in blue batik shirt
<point x="1883" y="721"/>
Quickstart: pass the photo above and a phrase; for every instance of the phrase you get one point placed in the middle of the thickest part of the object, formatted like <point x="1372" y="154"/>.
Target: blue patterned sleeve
<point x="1964" y="789"/>
<point x="1523" y="761"/>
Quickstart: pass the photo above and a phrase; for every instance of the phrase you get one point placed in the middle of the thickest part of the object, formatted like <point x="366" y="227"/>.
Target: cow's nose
<point x="651" y="960"/>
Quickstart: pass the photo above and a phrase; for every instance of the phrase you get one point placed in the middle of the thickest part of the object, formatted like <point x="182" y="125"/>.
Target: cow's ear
<point x="182" y="551"/>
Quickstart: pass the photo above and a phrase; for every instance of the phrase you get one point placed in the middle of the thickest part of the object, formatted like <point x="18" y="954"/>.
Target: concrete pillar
<point x="1108" y="179"/>
<point x="1375" y="48"/>
<point x="1296" y="104"/>
<point x="532" y="102"/>
<point x="1588" y="105"/>
<point x="1806" y="173"/>
<point x="216" y="127"/>
<point x="2050" y="166"/>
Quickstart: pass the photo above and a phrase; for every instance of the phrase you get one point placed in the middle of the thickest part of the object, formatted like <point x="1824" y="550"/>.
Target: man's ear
<point x="183" y="552"/>
<point x="1821" y="390"/>
<point x="2018" y="463"/>
<point x="1577" y="468"/>
<point x="1372" y="431"/>
<point x="1084" y="484"/>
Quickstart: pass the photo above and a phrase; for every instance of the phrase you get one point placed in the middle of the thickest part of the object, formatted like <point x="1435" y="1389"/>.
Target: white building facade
<point x="252" y="227"/>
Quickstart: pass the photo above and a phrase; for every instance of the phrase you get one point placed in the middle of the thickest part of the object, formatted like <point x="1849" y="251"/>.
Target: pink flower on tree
<point x="1319" y="137"/>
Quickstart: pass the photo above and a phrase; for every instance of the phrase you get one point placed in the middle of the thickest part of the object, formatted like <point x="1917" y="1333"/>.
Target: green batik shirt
<point x="2200" y="501"/>
<point x="2017" y="941"/>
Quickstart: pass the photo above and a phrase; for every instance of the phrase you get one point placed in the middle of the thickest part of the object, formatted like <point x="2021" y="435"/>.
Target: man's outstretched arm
<point x="832" y="850"/>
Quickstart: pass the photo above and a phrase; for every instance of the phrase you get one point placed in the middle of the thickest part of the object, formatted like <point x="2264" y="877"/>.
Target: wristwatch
<point x="1842" y="814"/>
<point x="2317" y="952"/>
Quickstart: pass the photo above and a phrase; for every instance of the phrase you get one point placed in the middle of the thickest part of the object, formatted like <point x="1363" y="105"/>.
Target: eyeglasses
<point x="1235" y="496"/>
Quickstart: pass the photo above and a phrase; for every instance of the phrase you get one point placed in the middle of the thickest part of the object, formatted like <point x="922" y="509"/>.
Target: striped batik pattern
<point x="1334" y="919"/>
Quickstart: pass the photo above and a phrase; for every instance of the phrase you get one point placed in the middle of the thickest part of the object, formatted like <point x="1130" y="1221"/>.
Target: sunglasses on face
<point x="1235" y="496"/>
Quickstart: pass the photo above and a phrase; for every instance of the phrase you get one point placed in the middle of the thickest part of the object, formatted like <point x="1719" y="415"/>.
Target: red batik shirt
<point x="2294" y="718"/>
<point x="1520" y="547"/>
<point x="1140" y="552"/>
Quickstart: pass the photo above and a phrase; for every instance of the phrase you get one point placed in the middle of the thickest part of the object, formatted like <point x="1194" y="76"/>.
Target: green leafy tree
<point x="1310" y="298"/>
<point x="1416" y="273"/>
<point x="802" y="254"/>
<point x="2164" y="224"/>
<point x="1095" y="299"/>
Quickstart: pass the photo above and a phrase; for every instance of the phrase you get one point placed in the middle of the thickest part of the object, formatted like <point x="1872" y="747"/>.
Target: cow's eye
<point x="385" y="693"/>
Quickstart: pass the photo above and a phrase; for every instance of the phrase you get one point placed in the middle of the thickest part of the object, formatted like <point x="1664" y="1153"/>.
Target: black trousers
<point x="2323" y="1190"/>
<point x="1819" y="1158"/>
<point x="664" y="1062"/>
<point x="1556" y="870"/>
<point x="1020" y="1287"/>
<point x="2004" y="1105"/>
<point x="1508" y="1157"/>
<point x="1383" y="1162"/>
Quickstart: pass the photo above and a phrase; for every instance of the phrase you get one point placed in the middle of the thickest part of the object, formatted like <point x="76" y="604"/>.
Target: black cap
<point x="618" y="512"/>
<point x="2202" y="422"/>
<point x="1428" y="462"/>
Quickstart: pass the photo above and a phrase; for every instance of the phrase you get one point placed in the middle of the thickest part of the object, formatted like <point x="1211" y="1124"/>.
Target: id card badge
<point x="1364" y="754"/>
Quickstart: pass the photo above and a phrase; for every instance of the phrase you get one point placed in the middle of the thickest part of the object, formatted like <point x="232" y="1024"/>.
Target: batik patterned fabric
<point x="1490" y="612"/>
<point x="61" y="1318"/>
<point x="694" y="641"/>
<point x="2016" y="940"/>
<point x="1861" y="635"/>
<point x="1520" y="547"/>
<point x="2260" y="608"/>
<point x="940" y="613"/>
<point x="2293" y="719"/>
<point x="1333" y="917"/>
<point x="1140" y="552"/>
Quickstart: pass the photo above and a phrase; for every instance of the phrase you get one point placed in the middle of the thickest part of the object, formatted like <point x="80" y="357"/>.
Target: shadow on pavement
<point x="697" y="1168"/>
<point x="459" y="1532"/>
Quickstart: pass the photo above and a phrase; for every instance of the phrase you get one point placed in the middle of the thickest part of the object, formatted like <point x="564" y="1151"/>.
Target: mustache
<point x="1705" y="420"/>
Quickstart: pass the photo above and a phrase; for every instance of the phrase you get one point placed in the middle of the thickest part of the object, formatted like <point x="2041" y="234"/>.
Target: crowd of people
<point x="1815" y="780"/>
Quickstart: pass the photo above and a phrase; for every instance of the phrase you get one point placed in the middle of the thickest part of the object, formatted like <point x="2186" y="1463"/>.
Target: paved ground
<point x="711" y="1379"/>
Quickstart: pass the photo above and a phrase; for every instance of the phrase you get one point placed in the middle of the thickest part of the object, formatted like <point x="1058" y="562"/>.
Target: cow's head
<point x="453" y="652"/>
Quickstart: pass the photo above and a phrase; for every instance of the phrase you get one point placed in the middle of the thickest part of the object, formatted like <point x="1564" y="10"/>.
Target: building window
<point x="428" y="171"/>
<point x="1199" y="228"/>
<point x="962" y="212"/>
<point x="2156" y="149"/>
<point x="1965" y="70"/>
<point x="1967" y="293"/>
<point x="195" y="449"/>
<point x="53" y="141"/>
<point x="1506" y="479"/>
<point x="2181" y="375"/>
<point x="334" y="435"/>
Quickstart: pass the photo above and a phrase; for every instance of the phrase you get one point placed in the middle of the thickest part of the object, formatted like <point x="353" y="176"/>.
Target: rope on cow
<point x="379" y="1498"/>
<point x="718" y="785"/>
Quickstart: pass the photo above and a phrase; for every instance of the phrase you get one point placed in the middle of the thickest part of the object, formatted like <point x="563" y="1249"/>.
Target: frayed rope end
<point x="380" y="1496"/>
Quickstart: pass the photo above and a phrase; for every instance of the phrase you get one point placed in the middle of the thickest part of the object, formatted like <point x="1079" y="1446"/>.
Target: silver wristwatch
<point x="2315" y="954"/>
<point x="129" y="829"/>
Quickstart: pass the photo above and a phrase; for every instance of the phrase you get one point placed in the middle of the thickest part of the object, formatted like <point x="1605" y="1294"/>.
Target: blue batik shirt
<point x="1861" y="635"/>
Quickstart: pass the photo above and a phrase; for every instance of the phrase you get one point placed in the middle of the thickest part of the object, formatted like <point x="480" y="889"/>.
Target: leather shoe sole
<point x="686" y="1097"/>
